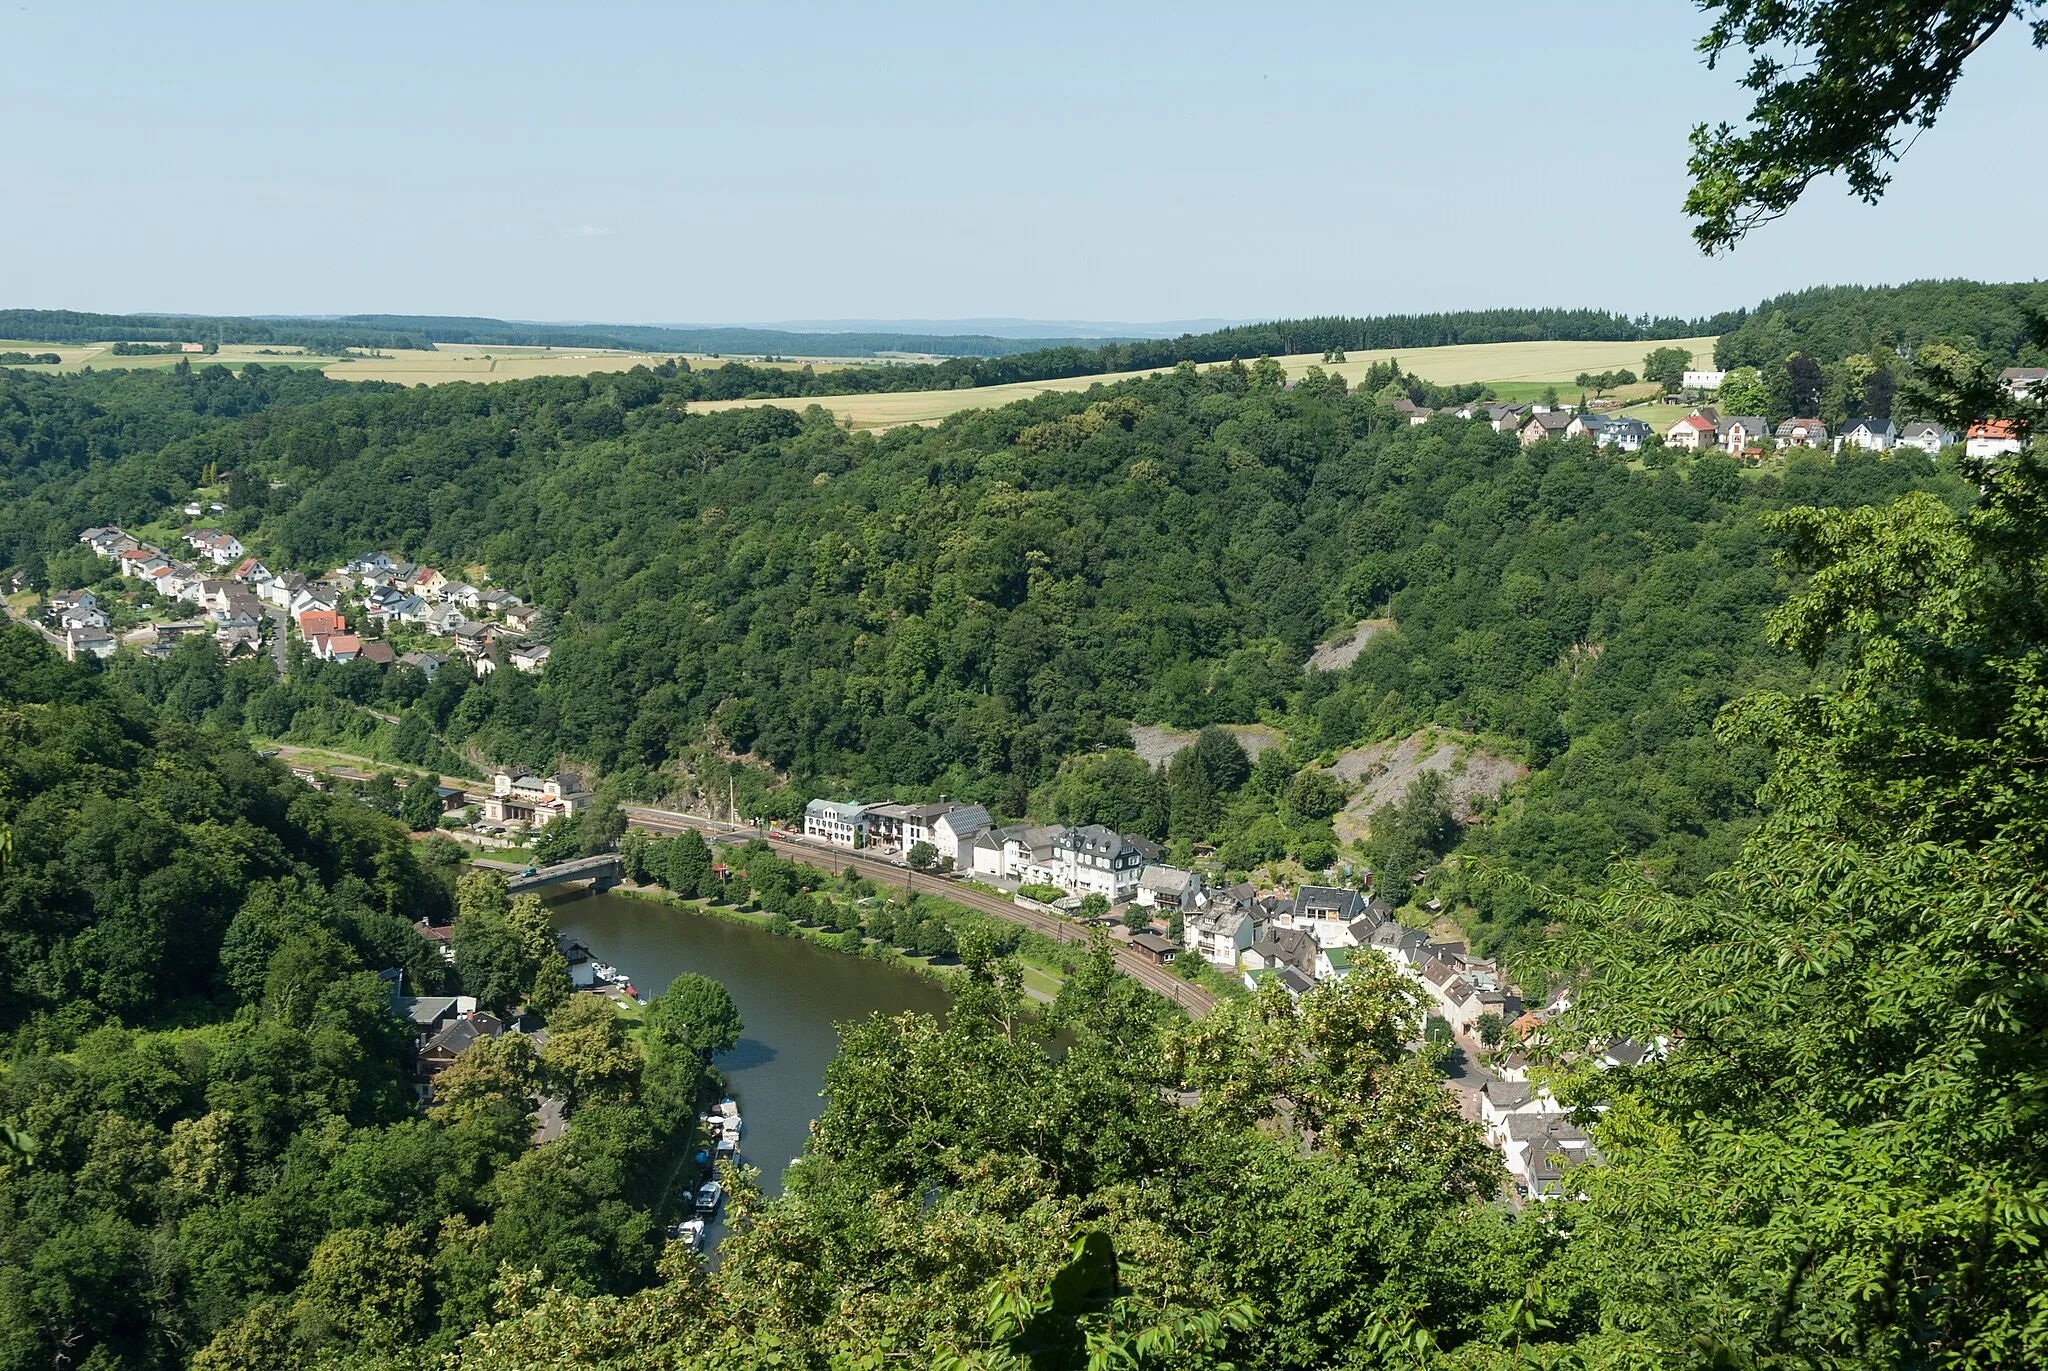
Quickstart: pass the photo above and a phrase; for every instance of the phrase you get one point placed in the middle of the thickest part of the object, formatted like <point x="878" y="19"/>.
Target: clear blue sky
<point x="763" y="161"/>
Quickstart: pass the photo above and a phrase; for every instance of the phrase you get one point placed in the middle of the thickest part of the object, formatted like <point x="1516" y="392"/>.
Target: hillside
<point x="964" y="610"/>
<point x="1829" y="323"/>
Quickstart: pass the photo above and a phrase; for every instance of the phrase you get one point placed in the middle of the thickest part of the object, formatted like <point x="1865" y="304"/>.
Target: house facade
<point x="1548" y="424"/>
<point x="2021" y="382"/>
<point x="1801" y="433"/>
<point x="1694" y="432"/>
<point x="1742" y="433"/>
<point x="1168" y="887"/>
<point x="954" y="831"/>
<point x="1926" y="435"/>
<point x="535" y="801"/>
<point x="840" y="823"/>
<point x="1991" y="438"/>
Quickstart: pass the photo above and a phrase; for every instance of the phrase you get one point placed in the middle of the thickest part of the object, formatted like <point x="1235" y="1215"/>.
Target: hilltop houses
<point x="1695" y="432"/>
<point x="1745" y="435"/>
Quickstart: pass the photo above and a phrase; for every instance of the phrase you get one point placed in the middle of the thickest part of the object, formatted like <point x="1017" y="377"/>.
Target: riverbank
<point x="1042" y="982"/>
<point x="794" y="997"/>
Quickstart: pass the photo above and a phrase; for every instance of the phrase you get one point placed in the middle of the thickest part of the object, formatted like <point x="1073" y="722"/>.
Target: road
<point x="55" y="640"/>
<point x="1133" y="963"/>
<point x="279" y="628"/>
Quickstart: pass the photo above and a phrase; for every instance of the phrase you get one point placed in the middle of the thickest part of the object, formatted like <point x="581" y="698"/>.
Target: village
<point x="241" y="604"/>
<point x="1296" y="940"/>
<point x="381" y="609"/>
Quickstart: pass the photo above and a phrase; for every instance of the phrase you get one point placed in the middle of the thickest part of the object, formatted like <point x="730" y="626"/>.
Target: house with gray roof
<point x="1871" y="435"/>
<point x="1926" y="435"/>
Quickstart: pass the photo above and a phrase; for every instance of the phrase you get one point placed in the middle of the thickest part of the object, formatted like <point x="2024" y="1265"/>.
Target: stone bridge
<point x="602" y="872"/>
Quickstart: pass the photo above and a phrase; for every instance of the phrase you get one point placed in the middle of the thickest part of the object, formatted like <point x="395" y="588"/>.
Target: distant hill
<point x="997" y="327"/>
<point x="71" y="326"/>
<point x="985" y="358"/>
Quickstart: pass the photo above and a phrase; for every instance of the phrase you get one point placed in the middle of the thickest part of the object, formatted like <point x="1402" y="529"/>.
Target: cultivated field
<point x="447" y="361"/>
<point x="1517" y="363"/>
<point x="1521" y="370"/>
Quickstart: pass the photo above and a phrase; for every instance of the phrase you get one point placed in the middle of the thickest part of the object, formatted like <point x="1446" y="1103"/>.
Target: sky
<point x="1109" y="161"/>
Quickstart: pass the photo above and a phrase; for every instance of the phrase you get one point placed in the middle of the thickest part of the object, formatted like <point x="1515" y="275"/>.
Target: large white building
<point x="840" y="823"/>
<point x="535" y="801"/>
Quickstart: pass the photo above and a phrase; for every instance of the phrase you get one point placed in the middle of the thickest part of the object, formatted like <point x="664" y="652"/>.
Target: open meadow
<point x="446" y="362"/>
<point x="1518" y="368"/>
<point x="1520" y="371"/>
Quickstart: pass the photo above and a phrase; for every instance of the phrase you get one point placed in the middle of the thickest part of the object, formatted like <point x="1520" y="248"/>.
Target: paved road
<point x="1140" y="968"/>
<point x="279" y="622"/>
<point x="55" y="640"/>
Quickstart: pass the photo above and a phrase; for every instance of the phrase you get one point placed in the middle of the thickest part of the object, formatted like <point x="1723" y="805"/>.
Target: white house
<point x="1802" y="433"/>
<point x="1623" y="432"/>
<point x="1168" y="887"/>
<point x="953" y="833"/>
<point x="840" y="824"/>
<point x="1704" y="380"/>
<point x="1221" y="933"/>
<point x="1991" y="438"/>
<point x="1741" y="432"/>
<point x="1926" y="435"/>
<point x="535" y="801"/>
<point x="1871" y="435"/>
<point x="1092" y="859"/>
<point x="529" y="657"/>
<point x="1540" y="1149"/>
<point x="87" y="642"/>
<point x="2020" y="382"/>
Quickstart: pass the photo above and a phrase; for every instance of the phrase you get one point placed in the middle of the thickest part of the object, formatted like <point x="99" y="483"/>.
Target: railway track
<point x="1155" y="978"/>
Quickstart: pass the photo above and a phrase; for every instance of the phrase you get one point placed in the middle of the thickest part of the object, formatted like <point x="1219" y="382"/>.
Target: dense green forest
<point x="209" y="1162"/>
<point x="212" y="1126"/>
<point x="1830" y="323"/>
<point x="1839" y="1164"/>
<point x="980" y="609"/>
<point x="332" y="335"/>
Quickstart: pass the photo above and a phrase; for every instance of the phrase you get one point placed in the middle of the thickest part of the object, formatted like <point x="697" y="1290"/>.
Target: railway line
<point x="1134" y="964"/>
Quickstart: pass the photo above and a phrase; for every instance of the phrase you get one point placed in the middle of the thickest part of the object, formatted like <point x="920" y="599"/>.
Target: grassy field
<point x="1519" y="371"/>
<point x="446" y="362"/>
<point x="1514" y="367"/>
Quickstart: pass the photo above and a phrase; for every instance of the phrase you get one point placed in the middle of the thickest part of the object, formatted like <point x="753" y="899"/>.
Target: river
<point x="790" y="993"/>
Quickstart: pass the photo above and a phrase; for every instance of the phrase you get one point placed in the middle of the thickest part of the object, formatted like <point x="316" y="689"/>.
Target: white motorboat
<point x="709" y="1196"/>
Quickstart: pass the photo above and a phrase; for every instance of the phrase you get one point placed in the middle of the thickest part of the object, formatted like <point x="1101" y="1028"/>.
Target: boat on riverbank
<point x="709" y="1196"/>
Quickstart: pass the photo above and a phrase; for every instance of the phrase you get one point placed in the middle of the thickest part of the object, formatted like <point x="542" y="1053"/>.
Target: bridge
<point x="603" y="872"/>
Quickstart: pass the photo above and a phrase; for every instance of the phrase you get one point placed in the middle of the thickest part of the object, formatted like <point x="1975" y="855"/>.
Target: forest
<point x="208" y="1162"/>
<point x="981" y="610"/>
<point x="1800" y="706"/>
<point x="209" y="1121"/>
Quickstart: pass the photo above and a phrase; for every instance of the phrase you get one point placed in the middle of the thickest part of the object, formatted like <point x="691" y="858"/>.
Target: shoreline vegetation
<point x="1044" y="975"/>
<point x="1046" y="966"/>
